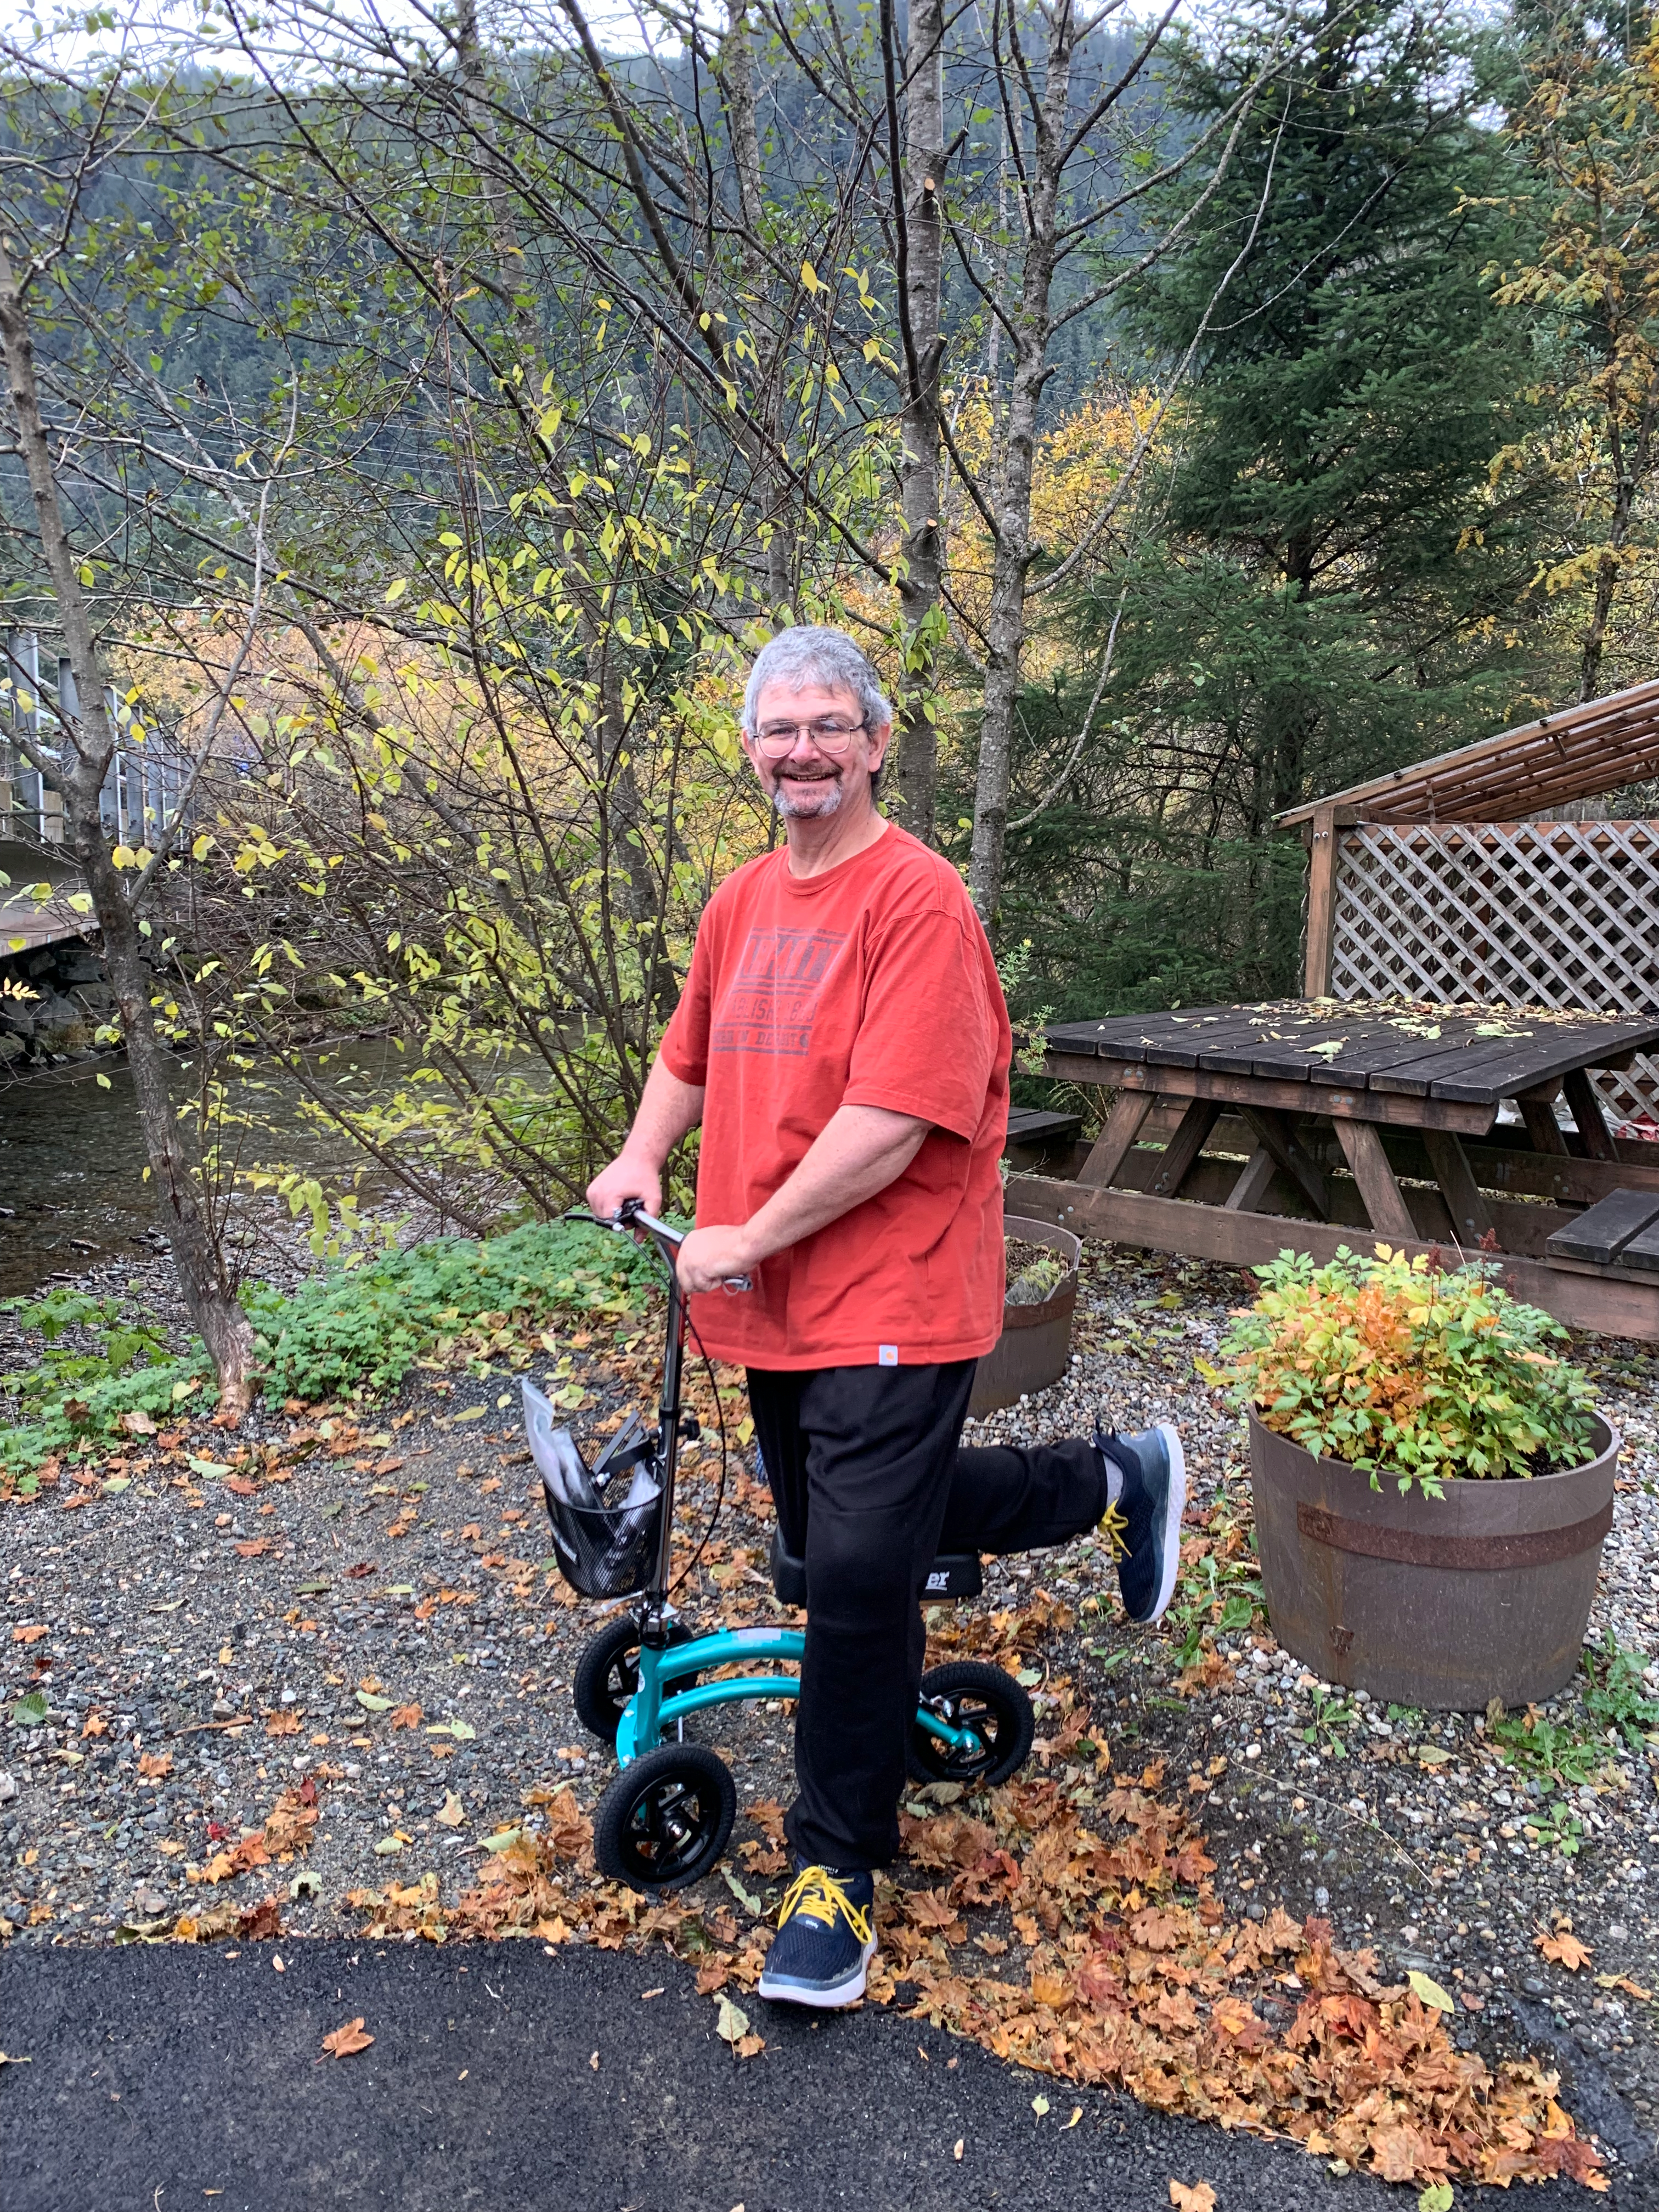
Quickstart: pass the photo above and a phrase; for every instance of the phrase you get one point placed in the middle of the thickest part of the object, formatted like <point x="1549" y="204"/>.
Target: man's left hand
<point x="711" y="1257"/>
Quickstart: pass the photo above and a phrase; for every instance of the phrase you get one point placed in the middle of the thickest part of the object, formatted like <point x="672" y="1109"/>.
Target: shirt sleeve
<point x="929" y="1041"/>
<point x="684" y="1046"/>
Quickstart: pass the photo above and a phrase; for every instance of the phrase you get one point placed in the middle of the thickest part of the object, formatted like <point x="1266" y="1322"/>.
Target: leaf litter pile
<point x="1130" y="1975"/>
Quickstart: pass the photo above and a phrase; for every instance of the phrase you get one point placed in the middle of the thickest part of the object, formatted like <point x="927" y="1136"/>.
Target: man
<point x="843" y="1041"/>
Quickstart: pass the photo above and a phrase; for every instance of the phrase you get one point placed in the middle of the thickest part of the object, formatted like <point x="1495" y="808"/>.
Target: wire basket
<point x="605" y="1529"/>
<point x="606" y="1550"/>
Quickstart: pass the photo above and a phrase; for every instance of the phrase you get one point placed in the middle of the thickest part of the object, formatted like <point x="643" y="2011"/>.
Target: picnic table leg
<point x="1181" y="1154"/>
<point x="1588" y="1117"/>
<point x="1385" y="1201"/>
<point x="1465" y="1202"/>
<point x="1538" y="1112"/>
<point x="1116" y="1141"/>
<point x="1273" y="1133"/>
<point x="1247" y="1193"/>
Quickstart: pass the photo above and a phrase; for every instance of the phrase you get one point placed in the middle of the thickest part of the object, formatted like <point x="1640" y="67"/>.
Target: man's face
<point x="808" y="783"/>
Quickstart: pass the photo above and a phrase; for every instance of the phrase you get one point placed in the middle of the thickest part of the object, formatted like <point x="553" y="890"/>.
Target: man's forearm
<point x="859" y="1151"/>
<point x="668" y="1109"/>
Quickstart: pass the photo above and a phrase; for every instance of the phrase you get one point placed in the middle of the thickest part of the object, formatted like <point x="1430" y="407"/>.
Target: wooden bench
<point x="1620" y="1230"/>
<point x="1032" y="1129"/>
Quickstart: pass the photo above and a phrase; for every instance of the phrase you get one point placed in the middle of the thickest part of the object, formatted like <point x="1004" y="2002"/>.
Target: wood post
<point x="1385" y="1201"/>
<point x="1538" y="1112"/>
<point x="1192" y="1134"/>
<point x="1279" y="1140"/>
<point x="1322" y="903"/>
<point x="1116" y="1141"/>
<point x="1471" y="1216"/>
<point x="1588" y="1117"/>
<point x="1247" y="1193"/>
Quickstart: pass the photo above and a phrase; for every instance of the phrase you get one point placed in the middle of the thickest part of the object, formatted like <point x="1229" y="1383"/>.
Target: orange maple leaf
<point x="406" y="1716"/>
<point x="1563" y="1948"/>
<point x="31" y="1634"/>
<point x="345" y="2040"/>
<point x="1201" y="2197"/>
<point x="154" y="1764"/>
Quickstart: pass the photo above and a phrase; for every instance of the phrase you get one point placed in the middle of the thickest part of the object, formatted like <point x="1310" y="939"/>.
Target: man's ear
<point x="881" y="740"/>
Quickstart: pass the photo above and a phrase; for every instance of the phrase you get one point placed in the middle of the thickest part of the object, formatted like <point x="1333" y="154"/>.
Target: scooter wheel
<point x="608" y="1673"/>
<point x="992" y="1708"/>
<point x="666" y="1817"/>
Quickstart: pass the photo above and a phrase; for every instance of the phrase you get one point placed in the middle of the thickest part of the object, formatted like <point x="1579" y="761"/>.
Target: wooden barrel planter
<point x="1438" y="1602"/>
<point x="1036" y="1343"/>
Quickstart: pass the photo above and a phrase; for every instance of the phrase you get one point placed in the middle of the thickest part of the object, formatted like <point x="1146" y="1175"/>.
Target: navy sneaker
<point x="1144" y="1527"/>
<point x="825" y="1940"/>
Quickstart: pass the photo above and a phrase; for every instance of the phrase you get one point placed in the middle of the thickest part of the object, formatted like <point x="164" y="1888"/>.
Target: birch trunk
<point x="174" y="1149"/>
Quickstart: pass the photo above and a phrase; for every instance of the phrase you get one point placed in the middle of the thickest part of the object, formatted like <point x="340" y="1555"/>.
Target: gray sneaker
<point x="1144" y="1525"/>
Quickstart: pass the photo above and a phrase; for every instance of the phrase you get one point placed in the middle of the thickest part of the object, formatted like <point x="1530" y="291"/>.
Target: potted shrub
<point x="1431" y="1483"/>
<point x="1038" y="1304"/>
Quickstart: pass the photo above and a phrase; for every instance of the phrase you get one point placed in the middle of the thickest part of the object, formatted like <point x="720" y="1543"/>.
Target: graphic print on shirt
<point x="770" y="1002"/>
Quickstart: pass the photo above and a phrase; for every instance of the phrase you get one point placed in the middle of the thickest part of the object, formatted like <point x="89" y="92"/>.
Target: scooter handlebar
<point x="668" y="1240"/>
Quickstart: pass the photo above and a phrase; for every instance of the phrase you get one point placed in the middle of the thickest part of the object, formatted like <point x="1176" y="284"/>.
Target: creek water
<point x="72" y="1161"/>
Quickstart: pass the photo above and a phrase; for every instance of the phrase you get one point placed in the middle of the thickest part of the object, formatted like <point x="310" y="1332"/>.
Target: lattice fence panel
<point x="1548" y="914"/>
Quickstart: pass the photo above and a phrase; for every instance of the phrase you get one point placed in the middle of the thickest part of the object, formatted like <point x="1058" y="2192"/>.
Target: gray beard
<point x="790" y="808"/>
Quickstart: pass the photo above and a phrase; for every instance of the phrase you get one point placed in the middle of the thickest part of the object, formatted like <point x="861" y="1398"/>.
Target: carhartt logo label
<point x="887" y="1355"/>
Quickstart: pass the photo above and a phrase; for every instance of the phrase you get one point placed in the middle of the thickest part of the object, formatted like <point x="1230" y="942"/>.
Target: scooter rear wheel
<point x="996" y="1715"/>
<point x="666" y="1818"/>
<point x="608" y="1673"/>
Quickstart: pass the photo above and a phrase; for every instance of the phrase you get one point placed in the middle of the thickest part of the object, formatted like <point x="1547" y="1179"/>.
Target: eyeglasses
<point x="781" y="738"/>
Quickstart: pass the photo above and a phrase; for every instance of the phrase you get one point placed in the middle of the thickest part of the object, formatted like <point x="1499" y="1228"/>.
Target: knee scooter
<point x="665" y="1819"/>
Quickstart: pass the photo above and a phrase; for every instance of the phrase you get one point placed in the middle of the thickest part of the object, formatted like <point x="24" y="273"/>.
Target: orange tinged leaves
<point x="1564" y="1948"/>
<point x="345" y="2040"/>
<point x="30" y="1633"/>
<point x="1201" y="2197"/>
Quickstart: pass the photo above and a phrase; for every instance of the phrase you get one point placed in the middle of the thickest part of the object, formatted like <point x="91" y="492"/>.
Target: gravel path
<point x="231" y="1649"/>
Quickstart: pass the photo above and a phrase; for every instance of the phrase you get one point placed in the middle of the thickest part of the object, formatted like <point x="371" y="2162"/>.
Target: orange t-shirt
<point x="870" y="985"/>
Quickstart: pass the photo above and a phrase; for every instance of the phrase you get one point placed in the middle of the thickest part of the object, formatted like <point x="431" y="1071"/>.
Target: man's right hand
<point x="627" y="1177"/>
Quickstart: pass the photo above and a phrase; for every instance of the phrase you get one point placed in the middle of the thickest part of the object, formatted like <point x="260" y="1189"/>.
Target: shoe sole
<point x="1175" y="1505"/>
<point x="833" y="1997"/>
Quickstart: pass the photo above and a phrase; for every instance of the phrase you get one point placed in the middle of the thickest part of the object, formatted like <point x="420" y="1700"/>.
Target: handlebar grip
<point x="739" y="1282"/>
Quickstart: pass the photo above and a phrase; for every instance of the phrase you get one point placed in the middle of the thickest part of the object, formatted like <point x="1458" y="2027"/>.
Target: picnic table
<point x="1229" y="1124"/>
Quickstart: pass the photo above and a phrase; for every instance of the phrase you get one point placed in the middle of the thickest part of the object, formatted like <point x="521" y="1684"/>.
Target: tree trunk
<point x="174" y="1155"/>
<point x="1011" y="561"/>
<point x="920" y="279"/>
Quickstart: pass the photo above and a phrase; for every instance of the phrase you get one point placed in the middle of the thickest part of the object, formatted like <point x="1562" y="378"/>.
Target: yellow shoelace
<point x="1117" y="1529"/>
<point x="815" y="1894"/>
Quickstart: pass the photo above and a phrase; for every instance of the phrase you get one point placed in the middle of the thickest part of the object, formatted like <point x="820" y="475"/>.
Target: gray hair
<point x="816" y="654"/>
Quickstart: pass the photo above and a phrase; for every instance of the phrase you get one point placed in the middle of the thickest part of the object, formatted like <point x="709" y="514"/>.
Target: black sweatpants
<point x="869" y="1482"/>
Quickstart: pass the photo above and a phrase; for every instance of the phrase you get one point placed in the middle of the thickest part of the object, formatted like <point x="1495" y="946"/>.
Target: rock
<point x="9" y="1789"/>
<point x="223" y="1710"/>
<point x="149" y="1902"/>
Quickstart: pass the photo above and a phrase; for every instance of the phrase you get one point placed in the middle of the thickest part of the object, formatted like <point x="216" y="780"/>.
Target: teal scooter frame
<point x="666" y="1817"/>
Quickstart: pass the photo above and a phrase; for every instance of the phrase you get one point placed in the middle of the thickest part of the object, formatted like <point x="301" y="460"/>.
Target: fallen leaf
<point x="31" y="1633"/>
<point x="370" y="1703"/>
<point x="1201" y="2197"/>
<point x="732" y="2024"/>
<point x="1564" y="1948"/>
<point x="1437" y="2197"/>
<point x="345" y="2040"/>
<point x="282" y="1724"/>
<point x="1429" y="1993"/>
<point x="138" y="1423"/>
<point x="957" y="2153"/>
<point x="452" y="1812"/>
<point x="1040" y="2105"/>
<point x="1077" y="2114"/>
<point x="96" y="1724"/>
<point x="154" y="1764"/>
<point x="406" y="1716"/>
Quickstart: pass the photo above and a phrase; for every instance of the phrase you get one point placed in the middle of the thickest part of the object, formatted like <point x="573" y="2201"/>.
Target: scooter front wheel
<point x="666" y="1818"/>
<point x="608" y="1675"/>
<point x="991" y="1711"/>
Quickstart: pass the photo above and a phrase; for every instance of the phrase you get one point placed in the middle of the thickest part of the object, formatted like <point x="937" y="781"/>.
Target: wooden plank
<point x="1247" y="1193"/>
<point x="1546" y="1057"/>
<point x="1642" y="1251"/>
<point x="1276" y="1136"/>
<point x="1617" y="1306"/>
<point x="1599" y="1236"/>
<point x="1471" y="1215"/>
<point x="1030" y="1125"/>
<point x="1111" y="1148"/>
<point x="1261" y="1090"/>
<point x="1384" y="1200"/>
<point x="1586" y="1115"/>
<point x="1184" y="1147"/>
<point x="1321" y="902"/>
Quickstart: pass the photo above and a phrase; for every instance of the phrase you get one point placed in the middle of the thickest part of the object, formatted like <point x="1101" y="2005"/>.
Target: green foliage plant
<point x="1405" y="1370"/>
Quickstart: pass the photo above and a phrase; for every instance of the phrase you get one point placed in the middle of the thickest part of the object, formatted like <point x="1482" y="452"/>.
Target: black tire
<point x="991" y="1705"/>
<point x="608" y="1673"/>
<point x="665" y="1819"/>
